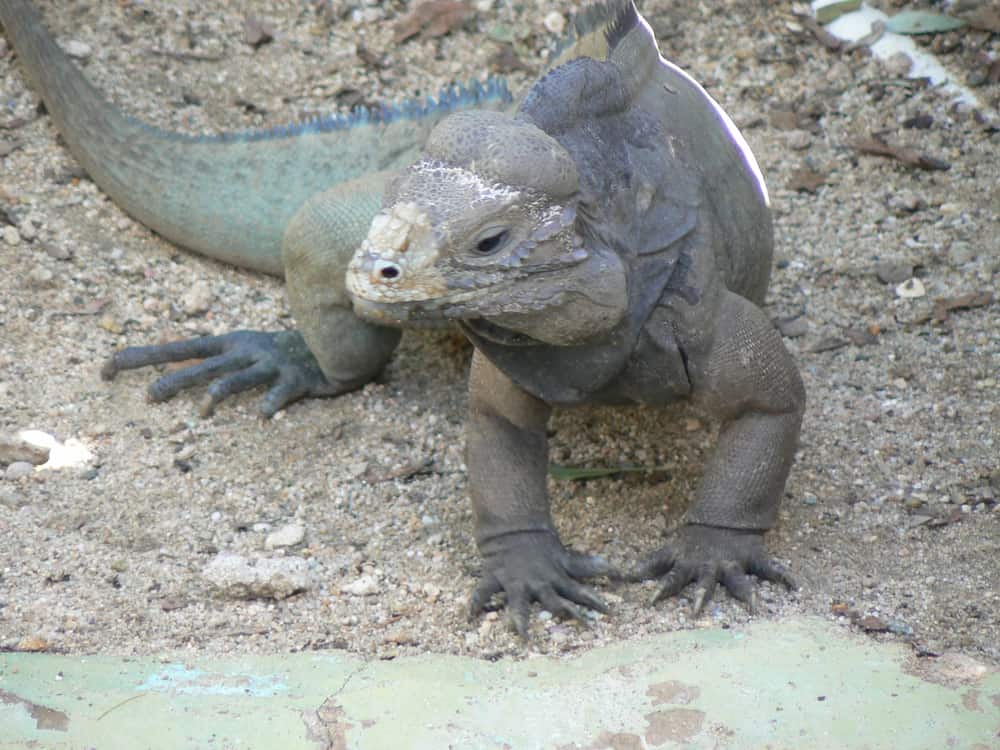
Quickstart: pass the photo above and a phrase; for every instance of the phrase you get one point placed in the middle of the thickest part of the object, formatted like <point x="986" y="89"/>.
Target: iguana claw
<point x="231" y="363"/>
<point x="535" y="567"/>
<point x="707" y="556"/>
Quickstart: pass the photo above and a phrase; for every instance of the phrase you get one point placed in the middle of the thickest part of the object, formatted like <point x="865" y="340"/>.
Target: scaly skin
<point x="610" y="242"/>
<point x="293" y="202"/>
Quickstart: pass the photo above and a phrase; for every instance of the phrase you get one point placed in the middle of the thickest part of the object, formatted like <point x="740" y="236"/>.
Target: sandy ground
<point x="890" y="518"/>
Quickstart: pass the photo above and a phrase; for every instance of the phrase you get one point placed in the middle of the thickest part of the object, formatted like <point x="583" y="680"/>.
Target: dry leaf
<point x="806" y="180"/>
<point x="432" y="19"/>
<point x="877" y="146"/>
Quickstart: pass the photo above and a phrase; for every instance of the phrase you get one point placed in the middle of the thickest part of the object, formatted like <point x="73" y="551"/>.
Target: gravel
<point x="155" y="541"/>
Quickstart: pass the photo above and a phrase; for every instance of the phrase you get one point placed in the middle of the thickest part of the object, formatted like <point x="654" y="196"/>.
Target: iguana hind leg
<point x="333" y="351"/>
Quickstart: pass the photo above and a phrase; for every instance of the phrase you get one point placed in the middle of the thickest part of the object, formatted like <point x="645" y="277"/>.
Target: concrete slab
<point x="795" y="684"/>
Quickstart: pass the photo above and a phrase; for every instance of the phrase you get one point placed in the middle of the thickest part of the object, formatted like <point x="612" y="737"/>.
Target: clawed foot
<point x="232" y="363"/>
<point x="707" y="556"/>
<point x="535" y="567"/>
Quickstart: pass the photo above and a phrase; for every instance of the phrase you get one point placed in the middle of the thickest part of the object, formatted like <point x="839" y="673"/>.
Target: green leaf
<point x="578" y="473"/>
<point x="833" y="11"/>
<point x="921" y="22"/>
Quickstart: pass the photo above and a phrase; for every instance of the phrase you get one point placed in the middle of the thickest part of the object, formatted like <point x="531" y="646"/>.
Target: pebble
<point x="898" y="64"/>
<point x="76" y="48"/>
<point x="27" y="230"/>
<point x="12" y="500"/>
<point x="198" y="299"/>
<point x="238" y="577"/>
<point x="366" y="585"/>
<point x="960" y="253"/>
<point x="906" y="202"/>
<point x="890" y="272"/>
<point x="57" y="252"/>
<point x="19" y="470"/>
<point x="40" y="277"/>
<point x="11" y="236"/>
<point x="286" y="536"/>
<point x="798" y="140"/>
<point x="431" y="591"/>
<point x="23" y="447"/>
<point x="554" y="22"/>
<point x="911" y="289"/>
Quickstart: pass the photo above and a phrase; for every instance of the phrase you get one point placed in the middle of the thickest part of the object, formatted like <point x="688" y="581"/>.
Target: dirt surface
<point x="890" y="518"/>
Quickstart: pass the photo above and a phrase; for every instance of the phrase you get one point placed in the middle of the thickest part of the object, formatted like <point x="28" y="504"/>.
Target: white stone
<point x="911" y="289"/>
<point x="554" y="22"/>
<point x="238" y="577"/>
<point x="366" y="585"/>
<point x="286" y="536"/>
<point x="198" y="299"/>
<point x="76" y="48"/>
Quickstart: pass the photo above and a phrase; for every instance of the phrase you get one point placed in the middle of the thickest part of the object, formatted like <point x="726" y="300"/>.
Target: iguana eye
<point x="492" y="243"/>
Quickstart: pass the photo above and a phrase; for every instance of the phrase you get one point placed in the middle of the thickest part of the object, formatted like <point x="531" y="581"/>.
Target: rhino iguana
<point x="606" y="239"/>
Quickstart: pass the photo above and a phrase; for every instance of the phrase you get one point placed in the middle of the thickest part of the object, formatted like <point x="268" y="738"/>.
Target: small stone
<point x="32" y="643"/>
<point x="41" y="278"/>
<point x="286" y="536"/>
<point x="76" y="48"/>
<point x="58" y="252"/>
<point x="431" y="591"/>
<point x="111" y="325"/>
<point x="809" y="499"/>
<point x="554" y="22"/>
<point x="911" y="289"/>
<point x="898" y="64"/>
<point x="906" y="202"/>
<point x="792" y="328"/>
<point x="11" y="236"/>
<point x="12" y="500"/>
<point x="890" y="272"/>
<point x="198" y="299"/>
<point x="28" y="231"/>
<point x="798" y="140"/>
<point x="366" y="585"/>
<point x="19" y="470"/>
<point x="961" y="252"/>
<point x="24" y="447"/>
<point x="238" y="577"/>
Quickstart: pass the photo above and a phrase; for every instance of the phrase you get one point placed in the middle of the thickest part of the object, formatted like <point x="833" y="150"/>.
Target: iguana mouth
<point x="482" y="328"/>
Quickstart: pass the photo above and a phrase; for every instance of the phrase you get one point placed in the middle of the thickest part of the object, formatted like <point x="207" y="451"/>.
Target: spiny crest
<point x="449" y="99"/>
<point x="595" y="31"/>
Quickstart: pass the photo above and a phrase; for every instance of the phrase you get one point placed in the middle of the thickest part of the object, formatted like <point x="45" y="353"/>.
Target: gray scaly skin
<point x="610" y="242"/>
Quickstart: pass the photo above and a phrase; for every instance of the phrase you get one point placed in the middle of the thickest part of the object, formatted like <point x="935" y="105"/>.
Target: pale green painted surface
<point x="795" y="684"/>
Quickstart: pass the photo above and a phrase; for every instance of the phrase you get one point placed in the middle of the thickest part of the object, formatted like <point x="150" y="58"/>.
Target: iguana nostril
<point x="387" y="271"/>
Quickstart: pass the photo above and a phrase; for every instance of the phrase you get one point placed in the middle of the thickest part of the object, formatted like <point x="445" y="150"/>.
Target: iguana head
<point x="484" y="229"/>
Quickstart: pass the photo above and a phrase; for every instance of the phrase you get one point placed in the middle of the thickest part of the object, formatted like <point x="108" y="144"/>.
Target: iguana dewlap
<point x="609" y="241"/>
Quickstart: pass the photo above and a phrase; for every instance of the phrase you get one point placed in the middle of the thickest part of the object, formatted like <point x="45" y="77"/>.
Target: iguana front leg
<point x="743" y="374"/>
<point x="507" y="459"/>
<point x="333" y="351"/>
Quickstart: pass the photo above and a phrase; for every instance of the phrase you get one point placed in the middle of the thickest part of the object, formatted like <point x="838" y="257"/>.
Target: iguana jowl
<point x="609" y="242"/>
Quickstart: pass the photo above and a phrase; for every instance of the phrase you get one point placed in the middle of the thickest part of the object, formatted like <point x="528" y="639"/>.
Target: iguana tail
<point x="231" y="196"/>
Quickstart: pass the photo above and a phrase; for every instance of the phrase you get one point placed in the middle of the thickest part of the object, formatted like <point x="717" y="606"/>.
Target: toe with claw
<point x="533" y="566"/>
<point x="707" y="556"/>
